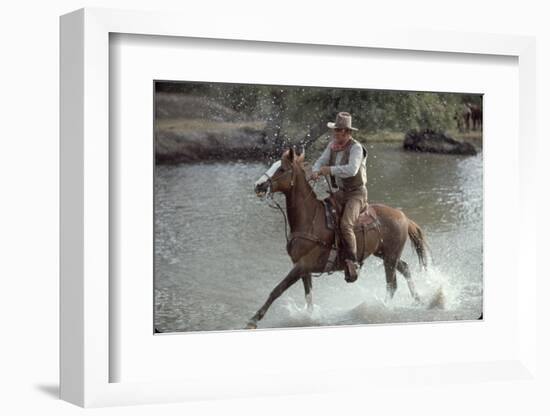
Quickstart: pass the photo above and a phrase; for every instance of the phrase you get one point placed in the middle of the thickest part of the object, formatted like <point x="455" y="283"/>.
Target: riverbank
<point x="474" y="137"/>
<point x="192" y="139"/>
<point x="392" y="137"/>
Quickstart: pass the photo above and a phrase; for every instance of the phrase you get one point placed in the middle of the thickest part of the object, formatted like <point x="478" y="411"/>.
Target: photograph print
<point x="290" y="207"/>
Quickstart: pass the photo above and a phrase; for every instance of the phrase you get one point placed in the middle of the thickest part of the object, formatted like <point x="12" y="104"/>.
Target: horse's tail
<point x="419" y="242"/>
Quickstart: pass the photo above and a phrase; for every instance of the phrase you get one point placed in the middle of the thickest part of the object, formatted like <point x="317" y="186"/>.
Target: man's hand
<point x="324" y="171"/>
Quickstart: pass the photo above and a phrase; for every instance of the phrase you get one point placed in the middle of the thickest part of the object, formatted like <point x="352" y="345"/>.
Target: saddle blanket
<point x="367" y="220"/>
<point x="366" y="217"/>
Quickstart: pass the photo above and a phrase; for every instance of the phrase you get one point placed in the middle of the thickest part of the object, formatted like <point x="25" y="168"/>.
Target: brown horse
<point x="311" y="240"/>
<point x="477" y="116"/>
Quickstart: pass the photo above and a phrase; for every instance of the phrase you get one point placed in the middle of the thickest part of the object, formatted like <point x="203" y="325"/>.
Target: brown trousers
<point x="354" y="202"/>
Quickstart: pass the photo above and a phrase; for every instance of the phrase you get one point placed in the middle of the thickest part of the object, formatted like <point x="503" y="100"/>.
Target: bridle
<point x="269" y="197"/>
<point x="281" y="175"/>
<point x="276" y="205"/>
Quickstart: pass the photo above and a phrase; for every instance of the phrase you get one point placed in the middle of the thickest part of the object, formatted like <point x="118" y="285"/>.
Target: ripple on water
<point x="219" y="250"/>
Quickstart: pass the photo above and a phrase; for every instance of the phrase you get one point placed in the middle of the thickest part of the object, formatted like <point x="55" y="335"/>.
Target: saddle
<point x="333" y="212"/>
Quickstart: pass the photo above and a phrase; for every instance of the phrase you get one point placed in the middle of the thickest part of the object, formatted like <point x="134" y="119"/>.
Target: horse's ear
<point x="287" y="158"/>
<point x="300" y="158"/>
<point x="291" y="155"/>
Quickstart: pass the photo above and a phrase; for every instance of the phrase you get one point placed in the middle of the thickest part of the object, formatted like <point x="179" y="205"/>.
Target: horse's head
<point x="280" y="177"/>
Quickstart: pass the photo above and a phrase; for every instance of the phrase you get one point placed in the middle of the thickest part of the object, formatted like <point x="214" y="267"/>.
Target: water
<point x="220" y="250"/>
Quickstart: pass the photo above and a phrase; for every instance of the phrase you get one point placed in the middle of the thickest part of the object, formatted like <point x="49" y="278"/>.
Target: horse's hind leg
<point x="308" y="285"/>
<point x="391" y="281"/>
<point x="403" y="268"/>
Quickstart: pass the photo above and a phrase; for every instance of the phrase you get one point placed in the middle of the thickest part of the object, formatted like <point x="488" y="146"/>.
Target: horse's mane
<point x="305" y="169"/>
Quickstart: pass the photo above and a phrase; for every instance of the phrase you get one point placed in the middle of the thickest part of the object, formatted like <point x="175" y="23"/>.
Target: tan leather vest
<point x="355" y="182"/>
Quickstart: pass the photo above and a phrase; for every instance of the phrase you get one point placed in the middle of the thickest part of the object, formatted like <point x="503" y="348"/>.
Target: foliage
<point x="300" y="114"/>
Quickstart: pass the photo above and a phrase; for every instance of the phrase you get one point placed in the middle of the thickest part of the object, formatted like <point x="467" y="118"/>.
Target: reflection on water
<point x="220" y="250"/>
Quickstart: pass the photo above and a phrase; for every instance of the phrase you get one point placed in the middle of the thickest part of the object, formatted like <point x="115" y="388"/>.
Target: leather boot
<point x="351" y="267"/>
<point x="351" y="270"/>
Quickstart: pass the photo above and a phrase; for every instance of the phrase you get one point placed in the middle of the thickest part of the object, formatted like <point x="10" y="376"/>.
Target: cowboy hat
<point x="343" y="121"/>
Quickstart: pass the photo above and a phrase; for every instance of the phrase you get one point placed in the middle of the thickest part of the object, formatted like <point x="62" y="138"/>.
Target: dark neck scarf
<point x="339" y="147"/>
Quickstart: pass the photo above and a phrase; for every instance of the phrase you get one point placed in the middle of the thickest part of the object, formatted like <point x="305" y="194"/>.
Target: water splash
<point x="441" y="294"/>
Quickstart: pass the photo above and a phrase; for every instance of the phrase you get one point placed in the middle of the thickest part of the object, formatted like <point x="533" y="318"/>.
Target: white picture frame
<point x="86" y="356"/>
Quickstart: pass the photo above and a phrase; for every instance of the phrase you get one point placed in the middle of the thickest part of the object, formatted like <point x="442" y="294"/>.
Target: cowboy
<point x="345" y="161"/>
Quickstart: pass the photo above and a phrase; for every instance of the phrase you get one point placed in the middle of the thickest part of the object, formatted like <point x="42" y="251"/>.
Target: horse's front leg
<point x="291" y="278"/>
<point x="308" y="285"/>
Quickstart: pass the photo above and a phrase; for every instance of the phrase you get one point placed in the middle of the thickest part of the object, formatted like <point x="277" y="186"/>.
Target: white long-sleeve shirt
<point x="339" y="171"/>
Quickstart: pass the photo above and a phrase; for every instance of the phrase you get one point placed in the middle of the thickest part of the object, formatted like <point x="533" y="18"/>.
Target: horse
<point x="463" y="117"/>
<point x="477" y="116"/>
<point x="311" y="240"/>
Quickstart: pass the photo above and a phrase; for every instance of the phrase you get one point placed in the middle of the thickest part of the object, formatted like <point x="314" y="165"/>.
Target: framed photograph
<point x="217" y="247"/>
<point x="178" y="279"/>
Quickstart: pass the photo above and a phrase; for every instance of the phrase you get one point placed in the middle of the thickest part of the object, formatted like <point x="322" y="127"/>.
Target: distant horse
<point x="463" y="116"/>
<point x="477" y="116"/>
<point x="311" y="240"/>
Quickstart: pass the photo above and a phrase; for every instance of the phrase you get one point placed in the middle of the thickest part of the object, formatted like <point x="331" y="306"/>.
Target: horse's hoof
<point x="251" y="325"/>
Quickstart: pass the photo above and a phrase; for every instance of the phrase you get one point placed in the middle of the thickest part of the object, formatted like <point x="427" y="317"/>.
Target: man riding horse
<point x="345" y="161"/>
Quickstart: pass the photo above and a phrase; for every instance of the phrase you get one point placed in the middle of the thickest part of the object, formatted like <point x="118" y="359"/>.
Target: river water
<point x="220" y="250"/>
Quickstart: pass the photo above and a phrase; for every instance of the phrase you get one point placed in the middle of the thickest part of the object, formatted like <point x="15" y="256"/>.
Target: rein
<point x="278" y="206"/>
<point x="271" y="203"/>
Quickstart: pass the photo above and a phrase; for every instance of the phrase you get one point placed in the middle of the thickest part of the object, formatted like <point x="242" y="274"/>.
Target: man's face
<point x="341" y="135"/>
